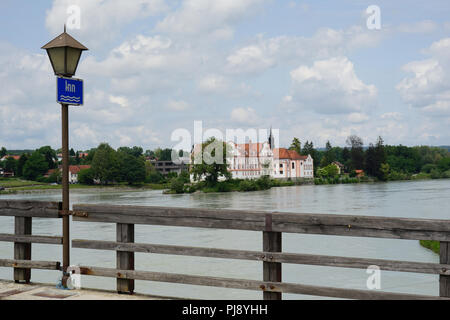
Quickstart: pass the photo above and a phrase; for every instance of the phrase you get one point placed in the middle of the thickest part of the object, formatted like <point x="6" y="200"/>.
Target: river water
<point x="416" y="199"/>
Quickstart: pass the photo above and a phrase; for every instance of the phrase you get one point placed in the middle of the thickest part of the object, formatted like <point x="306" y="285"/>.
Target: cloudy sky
<point x="313" y="69"/>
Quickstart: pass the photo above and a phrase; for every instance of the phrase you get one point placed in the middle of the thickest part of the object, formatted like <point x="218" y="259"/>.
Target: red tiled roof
<point x="11" y="156"/>
<point x="76" y="169"/>
<point x="282" y="153"/>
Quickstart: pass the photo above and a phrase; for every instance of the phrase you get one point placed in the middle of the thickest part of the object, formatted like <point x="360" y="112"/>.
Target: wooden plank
<point x="444" y="280"/>
<point x="340" y="225"/>
<point x="250" y="284"/>
<point x="22" y="251"/>
<point x="125" y="259"/>
<point x="45" y="265"/>
<point x="30" y="239"/>
<point x="293" y="258"/>
<point x="272" y="270"/>
<point x="26" y="208"/>
<point x="183" y="217"/>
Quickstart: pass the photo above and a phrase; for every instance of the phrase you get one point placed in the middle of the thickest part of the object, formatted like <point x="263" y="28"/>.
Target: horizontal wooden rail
<point x="325" y="224"/>
<point x="293" y="258"/>
<point x="45" y="265"/>
<point x="30" y="239"/>
<point x="250" y="284"/>
<point x="25" y="208"/>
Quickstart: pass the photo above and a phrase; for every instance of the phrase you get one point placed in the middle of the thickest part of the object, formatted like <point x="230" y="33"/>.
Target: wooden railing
<point x="23" y="212"/>
<point x="272" y="225"/>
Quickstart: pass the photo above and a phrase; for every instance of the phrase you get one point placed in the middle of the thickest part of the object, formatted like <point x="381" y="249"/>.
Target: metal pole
<point x="65" y="190"/>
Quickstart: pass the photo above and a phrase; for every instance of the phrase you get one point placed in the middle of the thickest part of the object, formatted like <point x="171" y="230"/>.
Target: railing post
<point x="22" y="251"/>
<point x="272" y="270"/>
<point x="125" y="260"/>
<point x="444" y="281"/>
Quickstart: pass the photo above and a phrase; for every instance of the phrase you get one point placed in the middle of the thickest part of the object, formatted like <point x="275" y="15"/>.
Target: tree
<point x="3" y="152"/>
<point x="21" y="163"/>
<point x="356" y="152"/>
<point x="329" y="155"/>
<point x="105" y="164"/>
<point x="384" y="171"/>
<point x="210" y="163"/>
<point x="10" y="165"/>
<point x="35" y="166"/>
<point x="86" y="176"/>
<point x="131" y="167"/>
<point x="49" y="155"/>
<point x="296" y="146"/>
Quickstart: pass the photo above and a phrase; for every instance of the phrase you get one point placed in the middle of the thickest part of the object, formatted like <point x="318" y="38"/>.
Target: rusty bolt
<point x="263" y="256"/>
<point x="263" y="287"/>
<point x="272" y="287"/>
<point x="444" y="270"/>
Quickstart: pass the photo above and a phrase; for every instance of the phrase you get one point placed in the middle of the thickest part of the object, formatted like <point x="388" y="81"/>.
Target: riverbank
<point x="15" y="186"/>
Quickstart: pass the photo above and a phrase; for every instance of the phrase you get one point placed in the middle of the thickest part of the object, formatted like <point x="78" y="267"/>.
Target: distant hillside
<point x="445" y="147"/>
<point x="19" y="152"/>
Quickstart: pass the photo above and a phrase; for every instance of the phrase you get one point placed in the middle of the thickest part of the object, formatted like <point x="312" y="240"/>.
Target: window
<point x="281" y="165"/>
<point x="293" y="165"/>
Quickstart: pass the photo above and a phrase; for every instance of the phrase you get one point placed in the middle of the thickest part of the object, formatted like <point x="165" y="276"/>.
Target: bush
<point x="155" y="177"/>
<point x="224" y="187"/>
<point x="248" y="185"/>
<point x="435" y="174"/>
<point x="264" y="183"/>
<point x="177" y="185"/>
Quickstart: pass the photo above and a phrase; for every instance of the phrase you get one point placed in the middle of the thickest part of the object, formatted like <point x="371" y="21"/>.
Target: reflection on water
<point x="424" y="199"/>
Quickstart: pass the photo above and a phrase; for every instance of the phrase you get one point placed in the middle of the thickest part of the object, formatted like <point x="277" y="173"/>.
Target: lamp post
<point x="64" y="53"/>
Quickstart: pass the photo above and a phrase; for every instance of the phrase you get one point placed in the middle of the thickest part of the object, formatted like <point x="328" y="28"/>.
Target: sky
<point x="316" y="70"/>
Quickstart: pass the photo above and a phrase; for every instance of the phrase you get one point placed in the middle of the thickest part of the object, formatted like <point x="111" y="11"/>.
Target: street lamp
<point x="64" y="53"/>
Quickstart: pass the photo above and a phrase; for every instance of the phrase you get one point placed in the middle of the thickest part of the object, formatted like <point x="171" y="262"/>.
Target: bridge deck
<point x="37" y="291"/>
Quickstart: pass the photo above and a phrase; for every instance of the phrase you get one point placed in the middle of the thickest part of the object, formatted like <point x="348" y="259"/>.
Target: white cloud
<point x="213" y="83"/>
<point x="429" y="87"/>
<point x="331" y="87"/>
<point x="357" y="117"/>
<point x="425" y="26"/>
<point x="101" y="20"/>
<point x="244" y="115"/>
<point x="264" y="53"/>
<point x="216" y="17"/>
<point x="177" y="105"/>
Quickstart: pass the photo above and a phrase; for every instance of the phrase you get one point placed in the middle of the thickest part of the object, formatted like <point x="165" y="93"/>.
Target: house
<point x="339" y="166"/>
<point x="10" y="156"/>
<point x="74" y="170"/>
<point x="289" y="164"/>
<point x="359" y="173"/>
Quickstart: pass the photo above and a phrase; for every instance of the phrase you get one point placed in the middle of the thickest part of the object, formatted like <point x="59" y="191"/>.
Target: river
<point x="415" y="199"/>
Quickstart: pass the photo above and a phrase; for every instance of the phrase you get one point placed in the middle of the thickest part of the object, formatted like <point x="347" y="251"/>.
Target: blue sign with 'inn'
<point x="69" y="91"/>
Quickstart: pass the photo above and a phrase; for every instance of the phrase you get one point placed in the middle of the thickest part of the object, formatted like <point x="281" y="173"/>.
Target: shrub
<point x="177" y="185"/>
<point x="248" y="185"/>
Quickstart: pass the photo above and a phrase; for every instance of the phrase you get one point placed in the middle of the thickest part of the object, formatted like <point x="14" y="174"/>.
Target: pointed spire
<point x="65" y="28"/>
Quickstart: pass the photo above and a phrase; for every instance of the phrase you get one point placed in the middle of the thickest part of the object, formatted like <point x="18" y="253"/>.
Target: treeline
<point x="383" y="162"/>
<point x="108" y="166"/>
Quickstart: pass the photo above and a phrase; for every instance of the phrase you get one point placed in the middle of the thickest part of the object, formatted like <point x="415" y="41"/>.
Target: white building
<point x="254" y="160"/>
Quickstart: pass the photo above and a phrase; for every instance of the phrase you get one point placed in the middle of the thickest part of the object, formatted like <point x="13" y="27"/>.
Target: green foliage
<point x="177" y="185"/>
<point x="296" y="146"/>
<point x="21" y="163"/>
<point x="10" y="165"/>
<point x="131" y="166"/>
<point x="432" y="245"/>
<point x="184" y="176"/>
<point x="49" y="155"/>
<point x="86" y="176"/>
<point x="3" y="152"/>
<point x="105" y="164"/>
<point x="210" y="163"/>
<point x="35" y="166"/>
<point x="330" y="171"/>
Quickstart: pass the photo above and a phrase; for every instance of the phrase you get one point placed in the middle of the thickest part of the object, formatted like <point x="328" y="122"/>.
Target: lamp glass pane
<point x="57" y="56"/>
<point x="73" y="56"/>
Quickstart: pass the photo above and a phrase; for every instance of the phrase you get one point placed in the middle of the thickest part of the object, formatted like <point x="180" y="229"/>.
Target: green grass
<point x="432" y="245"/>
<point x="15" y="183"/>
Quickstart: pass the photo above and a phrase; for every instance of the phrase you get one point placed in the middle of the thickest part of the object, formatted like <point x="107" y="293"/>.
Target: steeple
<point x="271" y="139"/>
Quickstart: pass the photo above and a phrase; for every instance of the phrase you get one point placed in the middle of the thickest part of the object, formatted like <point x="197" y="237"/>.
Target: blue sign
<point x="69" y="91"/>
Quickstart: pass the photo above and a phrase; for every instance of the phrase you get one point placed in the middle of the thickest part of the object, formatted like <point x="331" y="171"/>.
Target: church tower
<point x="271" y="140"/>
